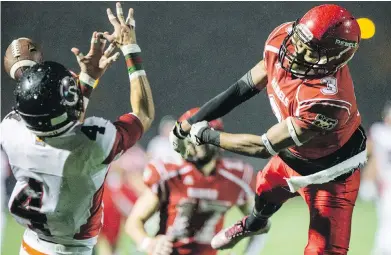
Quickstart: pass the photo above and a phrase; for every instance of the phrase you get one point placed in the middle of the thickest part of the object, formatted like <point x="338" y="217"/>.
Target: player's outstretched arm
<point x="285" y="134"/>
<point x="124" y="36"/>
<point x="143" y="209"/>
<point x="242" y="90"/>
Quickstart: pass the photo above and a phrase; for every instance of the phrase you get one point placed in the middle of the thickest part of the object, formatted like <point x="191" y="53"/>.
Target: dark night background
<point x="191" y="52"/>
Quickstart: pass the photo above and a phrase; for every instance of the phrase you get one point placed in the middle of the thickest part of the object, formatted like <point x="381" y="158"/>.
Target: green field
<point x="288" y="235"/>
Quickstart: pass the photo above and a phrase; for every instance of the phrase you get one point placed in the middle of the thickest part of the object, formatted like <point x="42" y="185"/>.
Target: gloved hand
<point x="196" y="132"/>
<point x="177" y="139"/>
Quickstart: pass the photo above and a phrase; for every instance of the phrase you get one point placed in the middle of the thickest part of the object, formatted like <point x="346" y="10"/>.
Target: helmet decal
<point x="69" y="91"/>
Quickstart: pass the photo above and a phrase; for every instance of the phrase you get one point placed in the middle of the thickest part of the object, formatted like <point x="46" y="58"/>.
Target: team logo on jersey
<point x="68" y="91"/>
<point x="324" y="122"/>
<point x="188" y="180"/>
<point x="331" y="86"/>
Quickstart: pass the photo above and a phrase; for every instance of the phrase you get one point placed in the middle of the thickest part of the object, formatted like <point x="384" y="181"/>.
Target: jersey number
<point x="331" y="88"/>
<point x="27" y="204"/>
<point x="92" y="131"/>
<point x="197" y="218"/>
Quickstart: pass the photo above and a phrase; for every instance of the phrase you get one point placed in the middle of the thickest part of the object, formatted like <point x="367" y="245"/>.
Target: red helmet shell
<point x="329" y="22"/>
<point x="216" y="124"/>
<point x="328" y="29"/>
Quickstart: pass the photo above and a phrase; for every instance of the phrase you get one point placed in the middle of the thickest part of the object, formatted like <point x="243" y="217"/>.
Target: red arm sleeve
<point x="129" y="131"/>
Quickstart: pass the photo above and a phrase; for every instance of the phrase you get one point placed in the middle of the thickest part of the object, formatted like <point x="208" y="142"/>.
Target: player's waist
<point x="304" y="166"/>
<point x="68" y="240"/>
<point x="34" y="244"/>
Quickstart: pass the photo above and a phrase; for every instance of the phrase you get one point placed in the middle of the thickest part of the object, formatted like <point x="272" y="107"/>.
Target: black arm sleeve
<point x="239" y="92"/>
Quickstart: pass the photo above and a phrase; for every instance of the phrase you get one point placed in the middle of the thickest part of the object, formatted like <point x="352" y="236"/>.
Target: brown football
<point x="21" y="53"/>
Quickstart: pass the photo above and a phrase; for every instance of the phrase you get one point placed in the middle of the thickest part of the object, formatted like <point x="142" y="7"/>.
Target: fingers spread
<point x="77" y="53"/>
<point x="109" y="50"/>
<point x="130" y="19"/>
<point x="113" y="58"/>
<point x="113" y="20"/>
<point x="120" y="14"/>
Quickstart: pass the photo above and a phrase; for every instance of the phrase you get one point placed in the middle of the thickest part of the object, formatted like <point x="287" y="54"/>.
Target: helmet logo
<point x="68" y="91"/>
<point x="346" y="43"/>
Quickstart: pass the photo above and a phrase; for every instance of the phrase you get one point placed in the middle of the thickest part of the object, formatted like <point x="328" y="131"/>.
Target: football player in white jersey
<point x="376" y="182"/>
<point x="59" y="161"/>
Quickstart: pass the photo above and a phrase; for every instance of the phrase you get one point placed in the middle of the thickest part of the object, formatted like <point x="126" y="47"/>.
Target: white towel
<point x="329" y="174"/>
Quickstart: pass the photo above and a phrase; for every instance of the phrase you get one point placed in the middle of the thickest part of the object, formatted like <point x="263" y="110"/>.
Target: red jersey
<point x="192" y="205"/>
<point x="327" y="104"/>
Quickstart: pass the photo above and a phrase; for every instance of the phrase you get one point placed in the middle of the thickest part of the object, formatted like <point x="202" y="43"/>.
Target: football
<point x="21" y="53"/>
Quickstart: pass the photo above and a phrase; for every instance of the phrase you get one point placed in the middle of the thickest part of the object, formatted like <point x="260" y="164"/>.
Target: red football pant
<point x="330" y="205"/>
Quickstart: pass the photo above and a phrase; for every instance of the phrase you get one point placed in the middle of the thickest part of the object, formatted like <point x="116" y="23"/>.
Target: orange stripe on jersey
<point x="30" y="250"/>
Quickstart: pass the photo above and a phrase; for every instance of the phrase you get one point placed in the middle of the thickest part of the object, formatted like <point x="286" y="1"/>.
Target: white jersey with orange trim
<point x="58" y="194"/>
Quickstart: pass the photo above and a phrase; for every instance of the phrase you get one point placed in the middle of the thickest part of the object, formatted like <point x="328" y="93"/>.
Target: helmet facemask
<point x="301" y="56"/>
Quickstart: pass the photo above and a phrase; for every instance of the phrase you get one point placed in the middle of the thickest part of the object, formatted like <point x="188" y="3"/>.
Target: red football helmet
<point x="330" y="36"/>
<point x="216" y="124"/>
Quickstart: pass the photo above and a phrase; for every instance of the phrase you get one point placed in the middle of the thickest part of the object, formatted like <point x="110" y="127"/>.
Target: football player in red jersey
<point x="192" y="197"/>
<point x="122" y="187"/>
<point x="318" y="145"/>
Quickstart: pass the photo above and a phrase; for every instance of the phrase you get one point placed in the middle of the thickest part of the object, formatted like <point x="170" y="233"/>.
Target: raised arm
<point x="124" y="36"/>
<point x="242" y="90"/>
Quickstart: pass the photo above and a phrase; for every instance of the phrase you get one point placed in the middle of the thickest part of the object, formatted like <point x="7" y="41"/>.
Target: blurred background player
<point x="318" y="145"/>
<point x="192" y="197"/>
<point x="376" y="179"/>
<point x="62" y="208"/>
<point x="159" y="146"/>
<point x="123" y="185"/>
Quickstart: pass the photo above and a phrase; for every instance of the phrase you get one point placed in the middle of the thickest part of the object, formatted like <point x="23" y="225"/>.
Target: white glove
<point x="177" y="141"/>
<point x="196" y="132"/>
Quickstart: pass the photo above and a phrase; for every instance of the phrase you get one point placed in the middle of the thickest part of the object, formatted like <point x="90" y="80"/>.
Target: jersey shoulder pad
<point x="276" y="37"/>
<point x="9" y="125"/>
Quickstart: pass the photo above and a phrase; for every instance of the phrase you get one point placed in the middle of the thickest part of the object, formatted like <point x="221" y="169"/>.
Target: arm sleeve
<point x="239" y="92"/>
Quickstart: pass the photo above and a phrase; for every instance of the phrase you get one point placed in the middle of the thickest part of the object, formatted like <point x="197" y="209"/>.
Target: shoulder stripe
<point x="276" y="30"/>
<point x="271" y="48"/>
<point x="329" y="104"/>
<point x="236" y="180"/>
<point x="324" y="99"/>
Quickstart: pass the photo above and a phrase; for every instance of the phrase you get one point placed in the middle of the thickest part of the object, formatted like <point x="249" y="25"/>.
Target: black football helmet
<point x="49" y="99"/>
